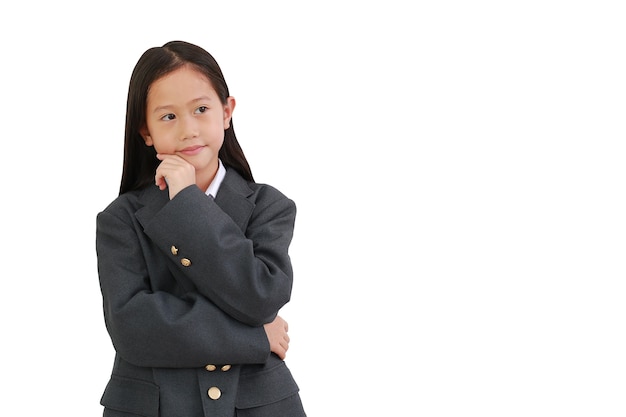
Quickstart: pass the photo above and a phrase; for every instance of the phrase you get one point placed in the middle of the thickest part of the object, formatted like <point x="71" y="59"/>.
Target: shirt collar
<point x="217" y="181"/>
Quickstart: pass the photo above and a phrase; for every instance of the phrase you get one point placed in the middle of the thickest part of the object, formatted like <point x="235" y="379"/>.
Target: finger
<point x="281" y="353"/>
<point x="160" y="182"/>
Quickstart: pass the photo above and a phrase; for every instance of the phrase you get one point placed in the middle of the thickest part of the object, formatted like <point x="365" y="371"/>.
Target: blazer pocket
<point x="265" y="387"/>
<point x="131" y="396"/>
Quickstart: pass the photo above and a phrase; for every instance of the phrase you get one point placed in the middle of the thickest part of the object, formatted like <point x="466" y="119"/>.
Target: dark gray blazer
<point x="187" y="285"/>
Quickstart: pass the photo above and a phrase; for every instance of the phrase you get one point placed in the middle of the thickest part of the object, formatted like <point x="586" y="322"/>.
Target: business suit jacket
<point x="187" y="285"/>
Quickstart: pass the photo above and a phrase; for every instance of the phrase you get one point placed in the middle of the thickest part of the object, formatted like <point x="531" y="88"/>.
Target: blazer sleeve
<point x="157" y="328"/>
<point x="247" y="273"/>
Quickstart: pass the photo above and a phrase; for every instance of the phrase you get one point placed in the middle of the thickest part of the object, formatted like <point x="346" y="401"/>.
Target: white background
<point x="459" y="174"/>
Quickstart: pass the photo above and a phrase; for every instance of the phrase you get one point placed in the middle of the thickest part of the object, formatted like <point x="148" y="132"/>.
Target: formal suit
<point x="187" y="285"/>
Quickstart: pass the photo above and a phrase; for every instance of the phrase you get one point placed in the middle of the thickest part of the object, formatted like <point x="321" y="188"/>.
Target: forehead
<point x="182" y="83"/>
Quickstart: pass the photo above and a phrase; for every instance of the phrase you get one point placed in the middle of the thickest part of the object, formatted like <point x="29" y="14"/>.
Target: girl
<point x="193" y="255"/>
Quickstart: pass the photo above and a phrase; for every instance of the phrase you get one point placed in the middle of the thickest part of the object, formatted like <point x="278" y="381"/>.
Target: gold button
<point x="174" y="250"/>
<point x="214" y="393"/>
<point x="210" y="368"/>
<point x="226" y="368"/>
<point x="185" y="262"/>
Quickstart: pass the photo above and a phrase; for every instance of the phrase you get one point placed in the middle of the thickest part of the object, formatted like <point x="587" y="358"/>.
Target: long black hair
<point x="140" y="162"/>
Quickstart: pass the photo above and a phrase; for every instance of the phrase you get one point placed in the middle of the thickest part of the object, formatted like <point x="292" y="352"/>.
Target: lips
<point x="192" y="150"/>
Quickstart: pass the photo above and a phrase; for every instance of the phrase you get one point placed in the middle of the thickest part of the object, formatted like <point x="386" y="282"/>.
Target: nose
<point x="189" y="128"/>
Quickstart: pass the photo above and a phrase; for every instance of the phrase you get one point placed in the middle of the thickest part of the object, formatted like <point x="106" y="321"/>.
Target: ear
<point x="145" y="134"/>
<point x="229" y="107"/>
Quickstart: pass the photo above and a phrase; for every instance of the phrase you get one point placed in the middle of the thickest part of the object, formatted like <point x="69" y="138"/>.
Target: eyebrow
<point x="169" y="106"/>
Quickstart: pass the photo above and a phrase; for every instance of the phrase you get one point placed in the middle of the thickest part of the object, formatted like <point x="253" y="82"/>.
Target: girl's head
<point x="140" y="160"/>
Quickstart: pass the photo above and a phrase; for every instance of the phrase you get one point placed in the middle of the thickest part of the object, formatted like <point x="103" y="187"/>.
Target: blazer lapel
<point x="233" y="197"/>
<point x="152" y="199"/>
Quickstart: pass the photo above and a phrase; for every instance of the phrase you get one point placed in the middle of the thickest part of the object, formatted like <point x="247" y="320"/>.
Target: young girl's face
<point x="185" y="117"/>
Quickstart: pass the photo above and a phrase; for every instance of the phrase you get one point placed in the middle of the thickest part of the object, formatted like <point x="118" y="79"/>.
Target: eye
<point x="202" y="109"/>
<point x="167" y="117"/>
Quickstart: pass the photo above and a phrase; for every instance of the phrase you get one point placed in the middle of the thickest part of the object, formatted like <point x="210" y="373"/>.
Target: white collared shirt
<point x="217" y="181"/>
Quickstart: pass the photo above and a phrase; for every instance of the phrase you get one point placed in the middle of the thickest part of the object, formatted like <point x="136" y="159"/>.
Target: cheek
<point x="216" y="132"/>
<point x="163" y="146"/>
